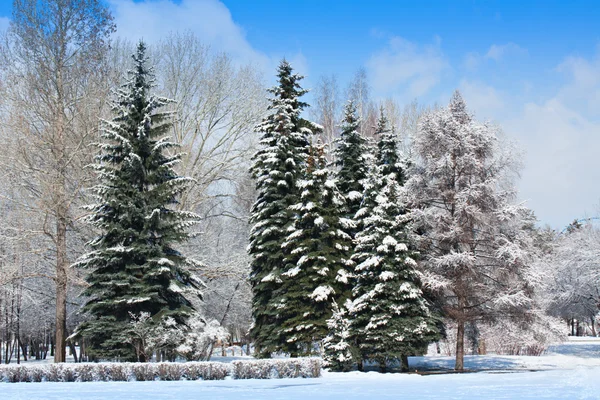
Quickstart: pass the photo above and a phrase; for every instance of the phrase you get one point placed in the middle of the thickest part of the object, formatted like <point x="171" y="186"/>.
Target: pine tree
<point x="352" y="157"/>
<point x="134" y="266"/>
<point x="337" y="346"/>
<point x="390" y="318"/>
<point x="278" y="166"/>
<point x="318" y="264"/>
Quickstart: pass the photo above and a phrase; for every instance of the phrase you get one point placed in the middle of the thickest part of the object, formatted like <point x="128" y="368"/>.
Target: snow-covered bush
<point x="283" y="368"/>
<point x="200" y="338"/>
<point x="206" y="370"/>
<point x="54" y="373"/>
<point x="523" y="339"/>
<point x="17" y="374"/>
<point x="36" y="374"/>
<point x="103" y="372"/>
<point x="119" y="372"/>
<point x="144" y="372"/>
<point x="85" y="373"/>
<point x="244" y="369"/>
<point x="170" y="372"/>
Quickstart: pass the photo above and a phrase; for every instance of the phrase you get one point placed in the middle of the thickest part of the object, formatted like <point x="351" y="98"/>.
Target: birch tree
<point x="53" y="55"/>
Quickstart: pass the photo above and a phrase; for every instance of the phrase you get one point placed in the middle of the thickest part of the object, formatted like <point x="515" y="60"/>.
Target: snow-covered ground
<point x="582" y="383"/>
<point x="568" y="371"/>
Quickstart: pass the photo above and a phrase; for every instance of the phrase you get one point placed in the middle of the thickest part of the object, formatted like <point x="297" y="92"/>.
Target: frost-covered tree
<point x="278" y="166"/>
<point x="352" y="159"/>
<point x="571" y="271"/>
<point x="337" y="346"/>
<point x="317" y="265"/>
<point x="390" y="317"/>
<point x="474" y="246"/>
<point x="200" y="338"/>
<point x="134" y="266"/>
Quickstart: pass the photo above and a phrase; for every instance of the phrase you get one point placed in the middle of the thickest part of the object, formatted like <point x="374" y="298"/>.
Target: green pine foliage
<point x="337" y="346"/>
<point x="389" y="314"/>
<point x="352" y="157"/>
<point x="318" y="264"/>
<point x="134" y="266"/>
<point x="277" y="168"/>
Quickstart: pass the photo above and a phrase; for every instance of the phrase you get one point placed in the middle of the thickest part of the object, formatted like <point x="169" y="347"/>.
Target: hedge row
<point x="92" y="372"/>
<point x="278" y="368"/>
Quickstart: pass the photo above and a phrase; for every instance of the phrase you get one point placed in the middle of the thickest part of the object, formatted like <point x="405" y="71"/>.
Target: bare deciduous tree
<point x="54" y="58"/>
<point x="327" y="107"/>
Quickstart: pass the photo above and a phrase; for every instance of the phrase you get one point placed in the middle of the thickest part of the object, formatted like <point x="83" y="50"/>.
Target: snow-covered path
<point x="583" y="383"/>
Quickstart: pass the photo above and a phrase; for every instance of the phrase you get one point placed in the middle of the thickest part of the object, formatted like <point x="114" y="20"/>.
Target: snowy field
<point x="569" y="371"/>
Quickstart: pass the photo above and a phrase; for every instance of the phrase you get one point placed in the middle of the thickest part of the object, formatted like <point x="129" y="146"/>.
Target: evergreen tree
<point x="390" y="318"/>
<point x="352" y="158"/>
<point x="318" y="262"/>
<point x="278" y="166"/>
<point x="337" y="346"/>
<point x="134" y="267"/>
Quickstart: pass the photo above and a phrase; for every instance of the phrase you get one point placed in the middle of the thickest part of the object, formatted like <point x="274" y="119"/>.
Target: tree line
<point x="372" y="232"/>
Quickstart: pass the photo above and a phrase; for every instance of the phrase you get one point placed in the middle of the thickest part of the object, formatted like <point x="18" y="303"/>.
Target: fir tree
<point x="352" y="158"/>
<point x="278" y="166"/>
<point x="134" y="267"/>
<point x="318" y="263"/>
<point x="390" y="318"/>
<point x="337" y="346"/>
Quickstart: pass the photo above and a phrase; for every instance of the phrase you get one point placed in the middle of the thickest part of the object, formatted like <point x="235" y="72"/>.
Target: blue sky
<point x="533" y="67"/>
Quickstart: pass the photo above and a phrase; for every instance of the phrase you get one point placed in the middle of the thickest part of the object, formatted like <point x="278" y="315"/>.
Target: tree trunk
<point x="23" y="349"/>
<point x="460" y="347"/>
<point x="61" y="290"/>
<point x="73" y="350"/>
<point x="404" y="363"/>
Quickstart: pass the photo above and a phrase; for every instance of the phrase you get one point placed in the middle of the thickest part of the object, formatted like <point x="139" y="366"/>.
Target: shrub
<point x="85" y="372"/>
<point x="54" y="373"/>
<point x="103" y="372"/>
<point x="144" y="372"/>
<point x="244" y="369"/>
<point x="36" y="374"/>
<point x="284" y="368"/>
<point x="119" y="372"/>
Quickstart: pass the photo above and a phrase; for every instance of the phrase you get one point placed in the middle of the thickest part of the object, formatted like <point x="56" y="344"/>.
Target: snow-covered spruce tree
<point x="337" y="346"/>
<point x="134" y="266"/>
<point x="390" y="317"/>
<point x="473" y="242"/>
<point x="352" y="157"/>
<point x="278" y="166"/>
<point x="317" y="265"/>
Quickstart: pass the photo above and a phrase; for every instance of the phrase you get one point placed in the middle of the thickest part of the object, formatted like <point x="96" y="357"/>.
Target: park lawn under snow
<point x="582" y="383"/>
<point x="569" y="371"/>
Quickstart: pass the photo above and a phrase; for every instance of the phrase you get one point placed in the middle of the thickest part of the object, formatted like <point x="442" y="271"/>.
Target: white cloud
<point x="486" y="101"/>
<point x="559" y="132"/>
<point x="209" y="19"/>
<point x="472" y="60"/>
<point x="4" y="22"/>
<point x="408" y="67"/>
<point x="562" y="167"/>
<point x="583" y="89"/>
<point x="299" y="62"/>
<point x="496" y="52"/>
